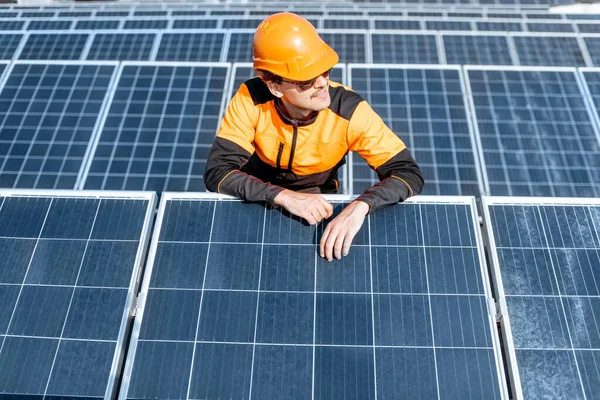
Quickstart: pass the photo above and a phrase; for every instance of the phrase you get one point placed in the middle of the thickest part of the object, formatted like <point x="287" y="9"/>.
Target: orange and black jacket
<point x="259" y="150"/>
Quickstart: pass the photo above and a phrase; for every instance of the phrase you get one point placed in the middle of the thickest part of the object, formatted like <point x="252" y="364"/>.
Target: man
<point x="286" y="133"/>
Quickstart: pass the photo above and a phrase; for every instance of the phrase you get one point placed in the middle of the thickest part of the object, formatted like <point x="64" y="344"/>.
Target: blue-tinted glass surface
<point x="29" y="364"/>
<point x="282" y="372"/>
<point x="484" y="50"/>
<point x="588" y="28"/>
<point x="127" y="46"/>
<point x="405" y="373"/>
<point x="329" y="23"/>
<point x="150" y="13"/>
<point x="14" y="25"/>
<point x="23" y="217"/>
<point x="190" y="47"/>
<point x="240" y="47"/>
<point x="49" y="25"/>
<point x="112" y="13"/>
<point x="397" y="24"/>
<point x="47" y="117"/>
<point x="549" y="27"/>
<point x="439" y="25"/>
<point x="536" y="134"/>
<point x="176" y="309"/>
<point x="404" y="49"/>
<point x="70" y="14"/>
<point x="8" y="45"/>
<point x="146" y="24"/>
<point x="498" y="26"/>
<point x="345" y="372"/>
<point x="195" y="23"/>
<point x="351" y="47"/>
<point x="45" y="46"/>
<point x="474" y="368"/>
<point x="232" y="23"/>
<point x="97" y="24"/>
<point x="541" y="50"/>
<point x="425" y="107"/>
<point x="159" y="128"/>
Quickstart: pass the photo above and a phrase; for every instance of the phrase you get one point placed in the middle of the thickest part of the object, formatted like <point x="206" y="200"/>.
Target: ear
<point x="275" y="89"/>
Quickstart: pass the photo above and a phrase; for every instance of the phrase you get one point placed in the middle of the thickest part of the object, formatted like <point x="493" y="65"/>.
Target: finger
<point x="339" y="244"/>
<point x="310" y="219"/>
<point x="331" y="239"/>
<point x="328" y="207"/>
<point x="347" y="243"/>
<point x="324" y="240"/>
<point x="321" y="210"/>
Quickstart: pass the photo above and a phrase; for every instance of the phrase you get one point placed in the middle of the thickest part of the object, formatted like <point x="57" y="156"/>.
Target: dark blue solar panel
<point x="89" y="24"/>
<point x="9" y="43"/>
<point x="35" y="14"/>
<point x="254" y="312"/>
<point x="159" y="129"/>
<point x="397" y="24"/>
<point x="464" y="15"/>
<point x="337" y="23"/>
<point x="14" y="25"/>
<point x="593" y="46"/>
<point x="9" y="14"/>
<point x="190" y="47"/>
<point x="582" y="16"/>
<point x="240" y="47"/>
<point x="126" y="46"/>
<point x="386" y="13"/>
<point x="549" y="27"/>
<point x="188" y="12"/>
<point x="499" y="26"/>
<point x="536" y="133"/>
<point x="351" y="47"/>
<point x="54" y="46"/>
<point x="543" y="50"/>
<point x="592" y="79"/>
<point x="153" y="13"/>
<point x="425" y="14"/>
<point x="74" y="14"/>
<point x="480" y="49"/>
<point x="504" y="15"/>
<point x="229" y="23"/>
<point x="404" y="49"/>
<point x="589" y="28"/>
<point x="543" y="16"/>
<point x="439" y="25"/>
<point x="62" y="323"/>
<point x="47" y="118"/>
<point x="425" y="108"/>
<point x="146" y="24"/>
<point x="547" y="259"/>
<point x="48" y="25"/>
<point x="112" y="13"/>
<point x="226" y="12"/>
<point x="196" y="23"/>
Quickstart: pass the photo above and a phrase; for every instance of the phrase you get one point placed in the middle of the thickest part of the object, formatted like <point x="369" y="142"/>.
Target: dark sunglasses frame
<point x="305" y="85"/>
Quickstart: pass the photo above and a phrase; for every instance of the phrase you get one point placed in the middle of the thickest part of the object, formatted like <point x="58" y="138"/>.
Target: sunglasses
<point x="305" y="85"/>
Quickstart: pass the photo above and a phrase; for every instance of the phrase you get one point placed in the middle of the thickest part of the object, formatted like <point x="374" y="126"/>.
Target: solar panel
<point x="159" y="127"/>
<point x="240" y="46"/>
<point x="464" y="14"/>
<point x="424" y="107"/>
<point x="589" y="28"/>
<point x="48" y="114"/>
<point x="582" y="16"/>
<point x="9" y="14"/>
<point x="146" y="24"/>
<point x="40" y="14"/>
<point x="505" y="15"/>
<point x="345" y="13"/>
<point x="93" y="24"/>
<point x="227" y="12"/>
<point x="153" y="13"/>
<point x="425" y="14"/>
<point x="499" y="26"/>
<point x="74" y="14"/>
<point x="195" y="23"/>
<point x="191" y="46"/>
<point x="188" y="12"/>
<point x="339" y="23"/>
<point x="14" y="25"/>
<point x="545" y="257"/>
<point x="255" y="313"/>
<point x="350" y="46"/>
<point x="404" y="48"/>
<point x="241" y="23"/>
<point x="591" y="78"/>
<point x="122" y="46"/>
<point x="386" y="13"/>
<point x="549" y="50"/>
<point x="48" y="25"/>
<point x="593" y="46"/>
<point x="69" y="267"/>
<point x="543" y="16"/>
<point x="537" y="137"/>
<point x="9" y="43"/>
<point x="477" y="49"/>
<point x="397" y="24"/>
<point x="112" y="13"/>
<point x="442" y="25"/>
<point x="54" y="46"/>
<point x="549" y="27"/>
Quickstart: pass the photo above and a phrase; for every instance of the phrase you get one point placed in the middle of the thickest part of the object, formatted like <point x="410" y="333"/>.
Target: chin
<point x="320" y="104"/>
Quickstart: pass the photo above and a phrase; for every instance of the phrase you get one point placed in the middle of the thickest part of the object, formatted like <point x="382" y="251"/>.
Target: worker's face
<point x="300" y="100"/>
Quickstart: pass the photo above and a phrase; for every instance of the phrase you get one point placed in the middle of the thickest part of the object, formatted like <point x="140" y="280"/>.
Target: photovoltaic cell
<point x="592" y="79"/>
<point x="74" y="14"/>
<point x="404" y="49"/>
<point x="593" y="46"/>
<point x="397" y="24"/>
<point x="14" y="25"/>
<point x="549" y="27"/>
<point x="329" y="23"/>
<point x="37" y="14"/>
<point x="122" y="46"/>
<point x="425" y="108"/>
<point x="240" y="47"/>
<point x="112" y="13"/>
<point x="351" y="47"/>
<point x="439" y="25"/>
<point x="66" y="289"/>
<point x="150" y="13"/>
<point x="480" y="49"/>
<point x="241" y="23"/>
<point x="187" y="12"/>
<point x="256" y="313"/>
<point x="548" y="50"/>
<point x="9" y="43"/>
<point x="159" y="129"/>
<point x="195" y="23"/>
<point x="88" y="24"/>
<point x="191" y="46"/>
<point x="536" y="134"/>
<point x="54" y="46"/>
<point x="499" y="26"/>
<point x="49" y="25"/>
<point x="589" y="28"/>
<point x="47" y="117"/>
<point x="146" y="24"/>
<point x="546" y="256"/>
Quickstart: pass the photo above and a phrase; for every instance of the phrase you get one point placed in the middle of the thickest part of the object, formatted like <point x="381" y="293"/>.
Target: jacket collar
<point x="283" y="114"/>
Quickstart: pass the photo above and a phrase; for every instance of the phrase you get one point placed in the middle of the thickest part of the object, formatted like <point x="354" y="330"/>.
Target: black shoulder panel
<point x="259" y="91"/>
<point x="343" y="102"/>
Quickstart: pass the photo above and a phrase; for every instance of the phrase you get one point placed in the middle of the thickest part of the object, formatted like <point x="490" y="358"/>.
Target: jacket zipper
<point x="293" y="150"/>
<point x="279" y="154"/>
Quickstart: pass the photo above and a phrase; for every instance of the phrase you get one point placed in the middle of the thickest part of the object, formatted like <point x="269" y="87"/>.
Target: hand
<point x="340" y="232"/>
<point x="312" y="207"/>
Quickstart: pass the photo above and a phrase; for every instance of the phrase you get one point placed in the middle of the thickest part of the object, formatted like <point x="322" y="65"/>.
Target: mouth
<point x="321" y="95"/>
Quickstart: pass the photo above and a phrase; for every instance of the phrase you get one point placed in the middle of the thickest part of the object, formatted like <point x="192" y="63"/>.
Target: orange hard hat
<point x="287" y="45"/>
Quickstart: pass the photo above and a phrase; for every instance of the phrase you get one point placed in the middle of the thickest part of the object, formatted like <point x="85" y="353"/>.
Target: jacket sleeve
<point x="232" y="148"/>
<point x="399" y="174"/>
